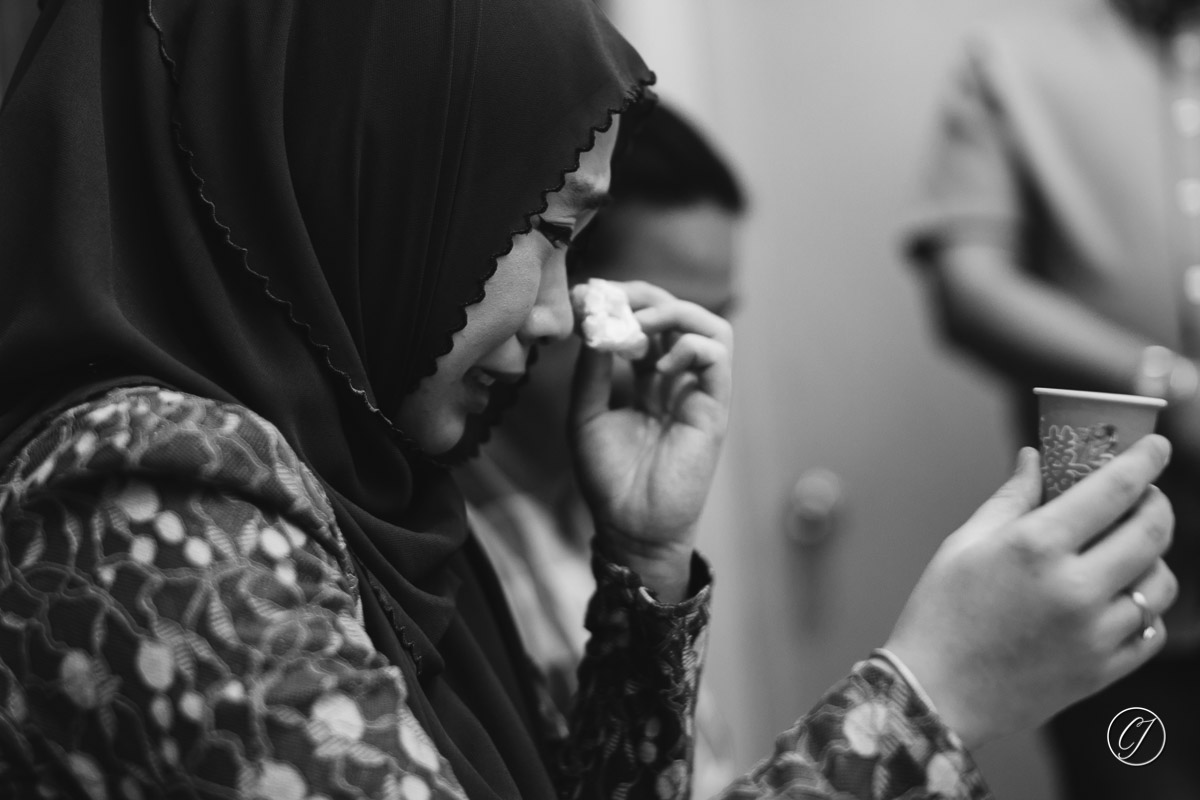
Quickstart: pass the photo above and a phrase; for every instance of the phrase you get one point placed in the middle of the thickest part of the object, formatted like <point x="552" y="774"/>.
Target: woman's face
<point x="526" y="302"/>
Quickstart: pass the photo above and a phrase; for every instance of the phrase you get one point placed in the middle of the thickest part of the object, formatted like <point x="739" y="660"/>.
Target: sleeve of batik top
<point x="632" y="727"/>
<point x="177" y="619"/>
<point x="871" y="737"/>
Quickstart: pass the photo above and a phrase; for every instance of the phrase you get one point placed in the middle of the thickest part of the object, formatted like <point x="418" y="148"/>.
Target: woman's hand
<point x="646" y="469"/>
<point x="1025" y="610"/>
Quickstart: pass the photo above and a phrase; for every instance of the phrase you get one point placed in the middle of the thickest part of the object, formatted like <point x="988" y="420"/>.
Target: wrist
<point x="897" y="664"/>
<point x="1167" y="375"/>
<point x="664" y="568"/>
<point x="941" y="695"/>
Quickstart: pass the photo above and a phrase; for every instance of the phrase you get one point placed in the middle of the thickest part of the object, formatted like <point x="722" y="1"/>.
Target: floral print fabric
<point x="630" y="712"/>
<point x="178" y="618"/>
<point x="871" y="737"/>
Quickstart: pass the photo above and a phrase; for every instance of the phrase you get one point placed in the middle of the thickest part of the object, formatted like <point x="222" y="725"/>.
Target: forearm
<point x="1038" y="334"/>
<point x="1029" y="329"/>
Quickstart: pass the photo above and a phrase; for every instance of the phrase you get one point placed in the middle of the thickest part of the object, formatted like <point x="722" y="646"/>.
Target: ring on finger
<point x="1139" y="600"/>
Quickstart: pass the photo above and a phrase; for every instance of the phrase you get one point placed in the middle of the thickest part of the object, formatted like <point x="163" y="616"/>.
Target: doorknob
<point x="814" y="507"/>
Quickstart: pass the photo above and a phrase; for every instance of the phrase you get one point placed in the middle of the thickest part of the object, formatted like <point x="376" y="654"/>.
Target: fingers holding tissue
<point x="646" y="468"/>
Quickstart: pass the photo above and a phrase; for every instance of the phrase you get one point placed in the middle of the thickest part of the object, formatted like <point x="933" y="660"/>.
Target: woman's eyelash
<point x="558" y="235"/>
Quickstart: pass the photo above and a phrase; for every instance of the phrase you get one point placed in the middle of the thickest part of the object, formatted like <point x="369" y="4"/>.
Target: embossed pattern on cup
<point x="1080" y="431"/>
<point x="1069" y="453"/>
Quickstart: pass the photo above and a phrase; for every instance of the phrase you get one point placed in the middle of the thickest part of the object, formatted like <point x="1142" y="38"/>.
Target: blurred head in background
<point x="671" y="223"/>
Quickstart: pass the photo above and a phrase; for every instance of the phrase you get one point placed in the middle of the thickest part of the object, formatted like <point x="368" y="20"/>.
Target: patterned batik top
<point x="179" y="618"/>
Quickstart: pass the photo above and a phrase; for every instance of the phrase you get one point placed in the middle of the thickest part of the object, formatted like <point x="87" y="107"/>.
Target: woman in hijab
<point x="264" y="264"/>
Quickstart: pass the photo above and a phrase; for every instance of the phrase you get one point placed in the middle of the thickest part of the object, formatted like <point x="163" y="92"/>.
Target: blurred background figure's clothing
<point x="1061" y="238"/>
<point x="671" y="223"/>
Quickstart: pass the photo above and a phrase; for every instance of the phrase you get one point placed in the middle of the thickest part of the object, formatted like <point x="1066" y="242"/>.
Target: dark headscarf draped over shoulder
<point x="288" y="204"/>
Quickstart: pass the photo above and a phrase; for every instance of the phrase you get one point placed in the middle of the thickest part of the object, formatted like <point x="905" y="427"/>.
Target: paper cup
<point x="1079" y="431"/>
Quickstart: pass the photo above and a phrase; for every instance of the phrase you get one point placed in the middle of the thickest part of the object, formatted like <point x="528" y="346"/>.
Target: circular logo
<point x="1136" y="737"/>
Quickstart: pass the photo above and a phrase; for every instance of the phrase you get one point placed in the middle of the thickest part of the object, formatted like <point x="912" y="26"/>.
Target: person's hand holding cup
<point x="1027" y="608"/>
<point x="1080" y="431"/>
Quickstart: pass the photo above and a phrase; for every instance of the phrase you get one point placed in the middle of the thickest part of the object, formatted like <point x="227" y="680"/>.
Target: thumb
<point x="1019" y="495"/>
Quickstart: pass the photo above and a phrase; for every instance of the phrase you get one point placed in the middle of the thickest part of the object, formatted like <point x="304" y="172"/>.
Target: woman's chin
<point x="474" y="433"/>
<point x="442" y="441"/>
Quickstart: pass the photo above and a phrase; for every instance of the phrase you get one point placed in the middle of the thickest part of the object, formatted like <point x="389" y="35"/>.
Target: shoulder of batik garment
<point x="162" y="434"/>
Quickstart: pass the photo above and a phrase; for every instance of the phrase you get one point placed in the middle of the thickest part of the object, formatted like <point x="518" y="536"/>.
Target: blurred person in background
<point x="675" y="205"/>
<point x="1060" y="236"/>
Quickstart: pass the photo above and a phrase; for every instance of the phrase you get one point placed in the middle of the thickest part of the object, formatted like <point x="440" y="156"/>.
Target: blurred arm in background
<point x="997" y="214"/>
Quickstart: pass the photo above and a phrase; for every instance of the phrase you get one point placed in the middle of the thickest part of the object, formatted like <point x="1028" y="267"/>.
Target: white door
<point x="826" y="107"/>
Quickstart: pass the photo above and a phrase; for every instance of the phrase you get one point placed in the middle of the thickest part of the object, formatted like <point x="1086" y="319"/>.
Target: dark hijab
<point x="288" y="204"/>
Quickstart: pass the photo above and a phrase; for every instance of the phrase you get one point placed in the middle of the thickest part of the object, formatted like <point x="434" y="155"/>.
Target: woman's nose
<point x="551" y="318"/>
